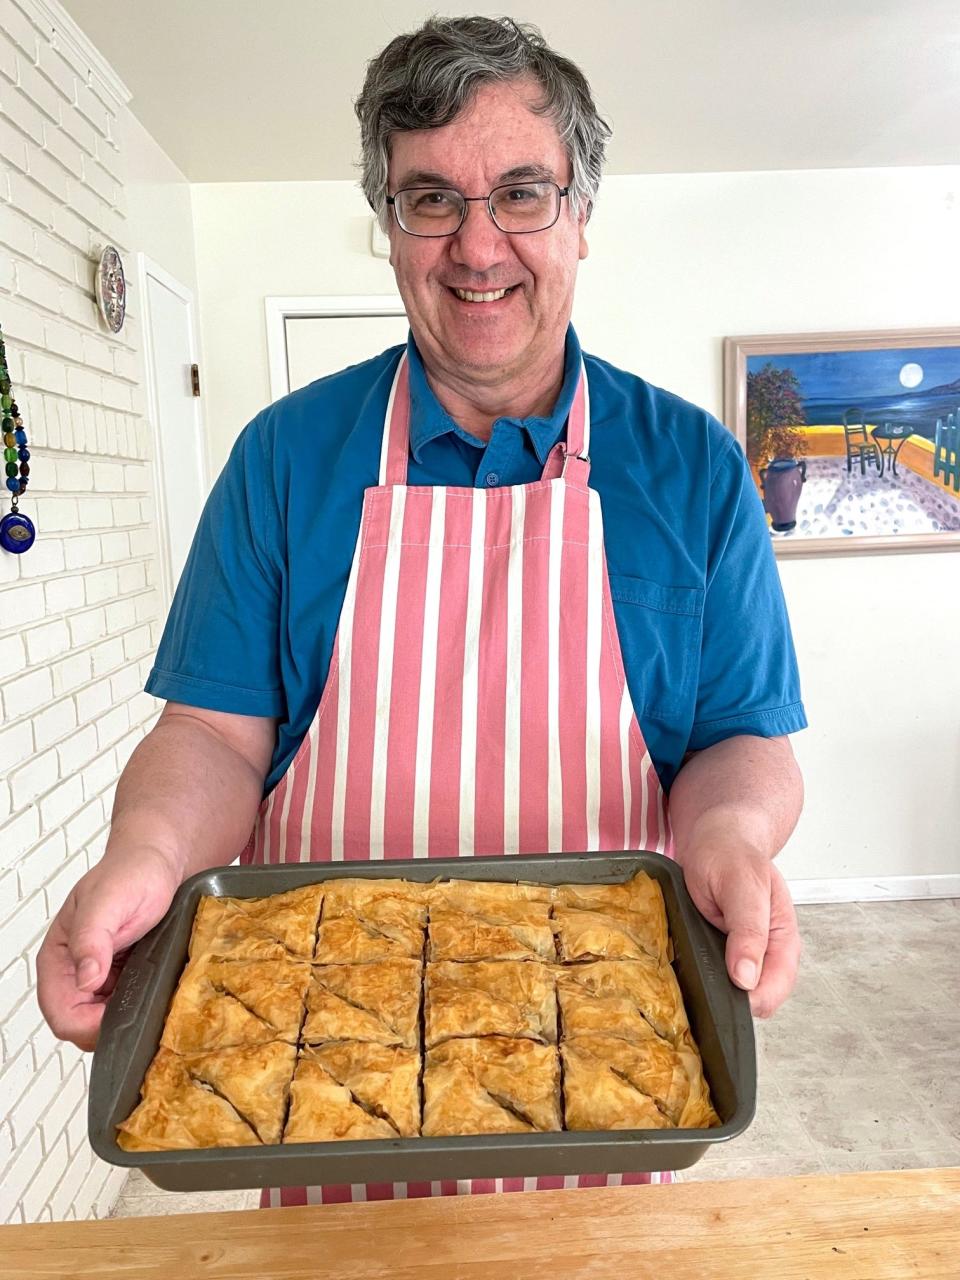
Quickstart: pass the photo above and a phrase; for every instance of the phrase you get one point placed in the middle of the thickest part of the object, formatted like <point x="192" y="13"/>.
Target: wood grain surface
<point x="867" y="1226"/>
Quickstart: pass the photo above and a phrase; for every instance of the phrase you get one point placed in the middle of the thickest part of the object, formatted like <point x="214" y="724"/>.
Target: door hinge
<point x="195" y="378"/>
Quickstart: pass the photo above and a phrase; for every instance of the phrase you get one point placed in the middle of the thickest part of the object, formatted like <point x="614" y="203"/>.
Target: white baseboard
<point x="875" y="889"/>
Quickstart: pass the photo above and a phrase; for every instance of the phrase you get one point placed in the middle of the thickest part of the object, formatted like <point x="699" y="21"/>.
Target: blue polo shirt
<point x="699" y="609"/>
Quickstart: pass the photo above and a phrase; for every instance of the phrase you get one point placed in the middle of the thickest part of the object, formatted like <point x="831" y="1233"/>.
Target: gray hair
<point x="424" y="79"/>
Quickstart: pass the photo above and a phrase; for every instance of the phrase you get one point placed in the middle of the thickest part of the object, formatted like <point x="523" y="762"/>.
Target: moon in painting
<point x="911" y="375"/>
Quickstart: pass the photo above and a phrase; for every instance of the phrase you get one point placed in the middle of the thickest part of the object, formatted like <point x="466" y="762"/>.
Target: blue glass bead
<point x="20" y="436"/>
<point x="13" y="485"/>
<point x="17" y="533"/>
<point x="24" y="453"/>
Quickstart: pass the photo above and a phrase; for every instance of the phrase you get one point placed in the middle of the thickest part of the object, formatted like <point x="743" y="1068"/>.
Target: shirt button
<point x="493" y="478"/>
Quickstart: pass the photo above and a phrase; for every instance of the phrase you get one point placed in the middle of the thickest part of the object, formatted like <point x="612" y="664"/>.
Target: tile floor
<point x="858" y="1071"/>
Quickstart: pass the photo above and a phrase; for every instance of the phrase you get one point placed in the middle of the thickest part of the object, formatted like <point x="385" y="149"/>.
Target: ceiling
<point x="239" y="91"/>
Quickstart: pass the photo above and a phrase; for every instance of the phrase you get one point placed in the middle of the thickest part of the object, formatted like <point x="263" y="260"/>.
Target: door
<point x="170" y="351"/>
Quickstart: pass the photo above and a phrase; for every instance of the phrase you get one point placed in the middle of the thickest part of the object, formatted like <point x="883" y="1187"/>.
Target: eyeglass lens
<point x="439" y="211"/>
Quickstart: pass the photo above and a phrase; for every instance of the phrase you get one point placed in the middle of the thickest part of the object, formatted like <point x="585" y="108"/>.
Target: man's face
<point x="487" y="342"/>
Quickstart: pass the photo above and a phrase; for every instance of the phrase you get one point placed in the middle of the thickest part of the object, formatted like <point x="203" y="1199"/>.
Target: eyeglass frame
<point x="440" y="235"/>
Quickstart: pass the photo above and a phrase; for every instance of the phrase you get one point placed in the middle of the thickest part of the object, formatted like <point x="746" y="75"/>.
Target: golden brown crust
<point x="499" y="898"/>
<point x="633" y="999"/>
<point x="384" y="1081"/>
<point x="596" y="1069"/>
<point x="493" y="1085"/>
<point x="383" y="902"/>
<point x="349" y="940"/>
<point x="490" y="997"/>
<point x="220" y="1003"/>
<point x="178" y="1113"/>
<point x="634" y="911"/>
<point x="254" y="1079"/>
<point x="377" y="1002"/>
<point x="244" y="926"/>
<point x="522" y="932"/>
<point x="321" y="1110"/>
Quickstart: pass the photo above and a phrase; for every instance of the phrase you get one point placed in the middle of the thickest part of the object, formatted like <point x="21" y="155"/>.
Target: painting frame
<point x="736" y="353"/>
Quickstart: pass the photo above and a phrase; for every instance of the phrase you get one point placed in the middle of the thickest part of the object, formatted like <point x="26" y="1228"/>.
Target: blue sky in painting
<point x="851" y="375"/>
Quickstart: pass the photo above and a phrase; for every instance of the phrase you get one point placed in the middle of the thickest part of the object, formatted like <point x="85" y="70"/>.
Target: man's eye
<point x="521" y="195"/>
<point x="433" y="200"/>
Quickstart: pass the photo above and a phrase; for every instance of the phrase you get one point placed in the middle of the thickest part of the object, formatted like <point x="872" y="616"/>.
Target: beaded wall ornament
<point x="17" y="533"/>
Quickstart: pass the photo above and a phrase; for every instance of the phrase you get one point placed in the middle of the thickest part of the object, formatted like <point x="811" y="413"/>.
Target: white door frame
<point x="277" y="310"/>
<point x="146" y="267"/>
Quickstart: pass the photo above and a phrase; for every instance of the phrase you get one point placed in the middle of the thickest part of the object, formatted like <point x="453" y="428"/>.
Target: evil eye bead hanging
<point x="17" y="533"/>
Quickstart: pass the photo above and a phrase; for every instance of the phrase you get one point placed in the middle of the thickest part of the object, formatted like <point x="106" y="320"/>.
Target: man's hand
<point x="108" y="910"/>
<point x="740" y="891"/>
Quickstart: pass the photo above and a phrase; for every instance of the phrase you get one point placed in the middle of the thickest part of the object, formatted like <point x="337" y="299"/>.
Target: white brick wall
<point x="79" y="612"/>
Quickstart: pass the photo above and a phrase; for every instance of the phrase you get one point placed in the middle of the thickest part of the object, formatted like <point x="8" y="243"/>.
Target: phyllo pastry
<point x="290" y="918"/>
<point x="323" y="1110"/>
<point x="633" y="999"/>
<point x="179" y="1111"/>
<point x="493" y="1085"/>
<point x="378" y="1002"/>
<point x="504" y="898"/>
<point x="610" y="1083"/>
<point x="233" y="1002"/>
<point x="224" y="930"/>
<point x="477" y="921"/>
<point x="367" y="920"/>
<point x="490" y="997"/>
<point x="383" y="1080"/>
<point x="612" y="921"/>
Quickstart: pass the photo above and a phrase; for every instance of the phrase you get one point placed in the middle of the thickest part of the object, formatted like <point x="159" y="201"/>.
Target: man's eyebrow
<point x="520" y="173"/>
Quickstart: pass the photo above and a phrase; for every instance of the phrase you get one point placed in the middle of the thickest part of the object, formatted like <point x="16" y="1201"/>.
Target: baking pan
<point x="719" y="1015"/>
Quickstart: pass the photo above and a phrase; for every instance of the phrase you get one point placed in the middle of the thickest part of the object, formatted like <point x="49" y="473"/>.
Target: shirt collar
<point x="429" y="419"/>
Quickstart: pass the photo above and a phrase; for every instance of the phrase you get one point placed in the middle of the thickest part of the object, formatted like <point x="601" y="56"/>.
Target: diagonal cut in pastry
<point x="178" y="1112"/>
<point x="348" y="939"/>
<point x="604" y="934"/>
<point x="290" y="918"/>
<point x="254" y="1079"/>
<point x="634" y="908"/>
<point x="490" y="997"/>
<point x="610" y="1083"/>
<point x="633" y="999"/>
<point x="378" y="1002"/>
<point x="382" y="902"/>
<point x="221" y="928"/>
<point x="231" y="1002"/>
<point x="520" y="932"/>
<point x="322" y="1110"/>
<point x="492" y="1085"/>
<point x="383" y="1080"/>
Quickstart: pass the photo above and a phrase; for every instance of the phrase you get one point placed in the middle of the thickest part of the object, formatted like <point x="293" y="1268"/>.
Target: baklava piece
<point x="480" y="921"/>
<point x="383" y="1080"/>
<point x="378" y="1002"/>
<point x="611" y="921"/>
<point x="507" y="998"/>
<point x="369" y="920"/>
<point x="493" y="1085"/>
<point x="220" y="1003"/>
<point x="610" y="1083"/>
<point x="633" y="999"/>
<point x="323" y="1110"/>
<point x="179" y="1112"/>
<point x="289" y="918"/>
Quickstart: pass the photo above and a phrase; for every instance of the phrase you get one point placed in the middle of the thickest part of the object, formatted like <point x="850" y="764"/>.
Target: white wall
<point x="677" y="262"/>
<point x="79" y="612"/>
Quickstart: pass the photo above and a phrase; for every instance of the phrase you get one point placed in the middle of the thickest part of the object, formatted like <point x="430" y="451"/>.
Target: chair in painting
<point x="860" y="448"/>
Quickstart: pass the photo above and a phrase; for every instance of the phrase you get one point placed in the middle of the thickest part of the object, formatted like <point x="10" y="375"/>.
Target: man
<point x="404" y="629"/>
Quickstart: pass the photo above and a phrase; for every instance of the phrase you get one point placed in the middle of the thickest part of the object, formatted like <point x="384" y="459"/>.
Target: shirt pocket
<point x="660" y="629"/>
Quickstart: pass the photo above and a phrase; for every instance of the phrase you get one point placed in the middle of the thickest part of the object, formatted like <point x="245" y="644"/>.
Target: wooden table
<point x="865" y="1225"/>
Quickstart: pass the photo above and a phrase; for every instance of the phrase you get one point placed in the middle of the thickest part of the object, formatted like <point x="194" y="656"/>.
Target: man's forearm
<point x="745" y="788"/>
<point x="188" y="794"/>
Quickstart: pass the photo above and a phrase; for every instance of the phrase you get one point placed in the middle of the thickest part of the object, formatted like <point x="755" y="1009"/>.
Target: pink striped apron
<point x="476" y="702"/>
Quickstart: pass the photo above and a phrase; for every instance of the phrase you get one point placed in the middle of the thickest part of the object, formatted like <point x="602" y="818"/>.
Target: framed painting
<point x="853" y="439"/>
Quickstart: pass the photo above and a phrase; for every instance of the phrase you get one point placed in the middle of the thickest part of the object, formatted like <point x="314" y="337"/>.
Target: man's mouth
<point x="491" y="295"/>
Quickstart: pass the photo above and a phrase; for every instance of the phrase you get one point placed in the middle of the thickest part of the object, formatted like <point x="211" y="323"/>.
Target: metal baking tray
<point x="719" y="1015"/>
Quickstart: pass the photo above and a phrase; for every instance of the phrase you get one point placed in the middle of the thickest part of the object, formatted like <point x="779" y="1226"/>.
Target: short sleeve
<point x="748" y="681"/>
<point x="220" y="645"/>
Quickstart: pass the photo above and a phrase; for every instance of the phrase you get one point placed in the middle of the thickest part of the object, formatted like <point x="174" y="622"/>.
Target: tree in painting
<point x="774" y="414"/>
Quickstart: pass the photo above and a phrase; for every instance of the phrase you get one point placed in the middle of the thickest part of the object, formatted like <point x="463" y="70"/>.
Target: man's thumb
<point x="747" y="921"/>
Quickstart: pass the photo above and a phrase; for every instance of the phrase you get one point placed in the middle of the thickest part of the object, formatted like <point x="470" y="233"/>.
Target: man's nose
<point x="479" y="244"/>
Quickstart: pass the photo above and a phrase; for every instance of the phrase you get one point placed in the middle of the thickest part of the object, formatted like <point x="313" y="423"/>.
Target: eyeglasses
<point x="517" y="208"/>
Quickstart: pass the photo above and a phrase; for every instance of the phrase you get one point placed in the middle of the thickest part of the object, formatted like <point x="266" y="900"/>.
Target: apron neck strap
<point x="395" y="447"/>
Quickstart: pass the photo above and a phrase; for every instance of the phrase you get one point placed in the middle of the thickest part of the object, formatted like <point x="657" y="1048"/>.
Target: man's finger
<point x="745" y="901"/>
<point x="783" y="952"/>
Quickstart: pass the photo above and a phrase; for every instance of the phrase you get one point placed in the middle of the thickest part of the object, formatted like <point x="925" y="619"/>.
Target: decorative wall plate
<point x="111" y="288"/>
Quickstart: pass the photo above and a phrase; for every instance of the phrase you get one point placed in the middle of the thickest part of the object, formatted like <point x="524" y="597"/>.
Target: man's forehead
<point x="413" y="176"/>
